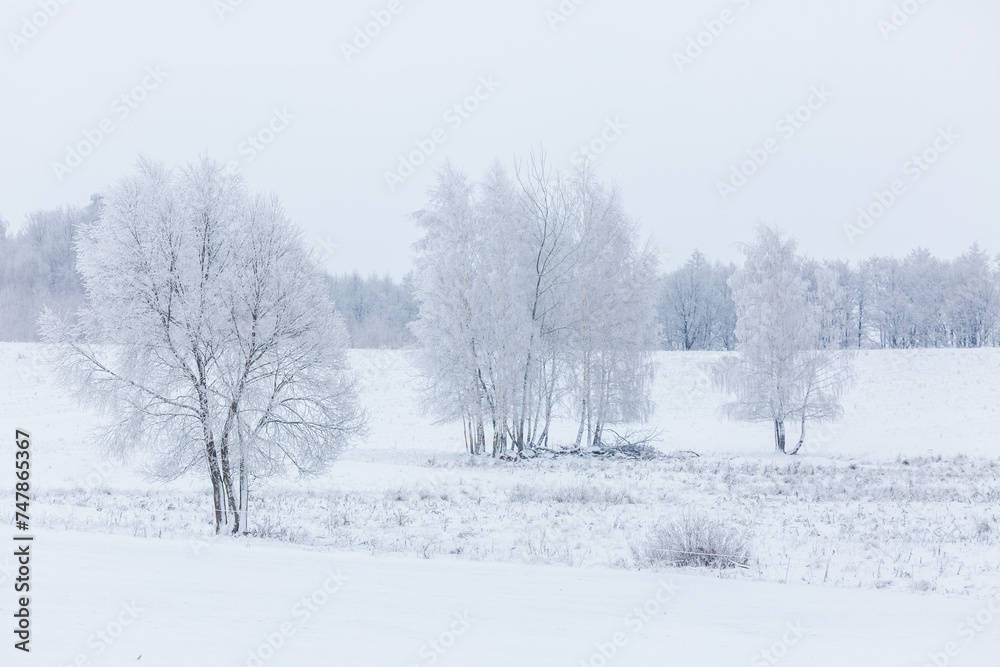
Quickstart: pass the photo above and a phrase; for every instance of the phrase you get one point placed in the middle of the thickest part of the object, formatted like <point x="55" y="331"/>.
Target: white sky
<point x="686" y="129"/>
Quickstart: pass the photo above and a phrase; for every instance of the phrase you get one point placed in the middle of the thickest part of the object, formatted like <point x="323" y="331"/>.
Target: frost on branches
<point x="785" y="368"/>
<point x="207" y="338"/>
<point x="535" y="300"/>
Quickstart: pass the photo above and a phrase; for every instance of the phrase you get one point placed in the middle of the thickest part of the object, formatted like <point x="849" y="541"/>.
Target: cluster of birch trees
<point x="537" y="300"/>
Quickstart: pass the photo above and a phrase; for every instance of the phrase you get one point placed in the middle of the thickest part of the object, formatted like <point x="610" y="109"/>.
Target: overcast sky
<point x="204" y="75"/>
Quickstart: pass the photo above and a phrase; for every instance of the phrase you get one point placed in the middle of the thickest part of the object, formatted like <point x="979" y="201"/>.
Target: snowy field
<point x="876" y="546"/>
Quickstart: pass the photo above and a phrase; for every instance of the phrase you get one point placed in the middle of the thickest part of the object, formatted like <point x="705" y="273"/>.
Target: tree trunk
<point x="543" y="439"/>
<point x="211" y="453"/>
<point x="477" y="388"/>
<point x="583" y="423"/>
<point x="519" y="441"/>
<point x="779" y="435"/>
<point x="229" y="488"/>
<point x="802" y="438"/>
<point x="213" y="471"/>
<point x="244" y="494"/>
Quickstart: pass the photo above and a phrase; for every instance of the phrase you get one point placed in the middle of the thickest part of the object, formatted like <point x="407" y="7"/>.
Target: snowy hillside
<point x="898" y="499"/>
<point x="905" y="403"/>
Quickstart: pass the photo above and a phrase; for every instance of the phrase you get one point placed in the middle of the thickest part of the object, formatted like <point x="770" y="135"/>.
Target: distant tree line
<point x="695" y="306"/>
<point x="881" y="302"/>
<point x="38" y="269"/>
<point x="376" y="309"/>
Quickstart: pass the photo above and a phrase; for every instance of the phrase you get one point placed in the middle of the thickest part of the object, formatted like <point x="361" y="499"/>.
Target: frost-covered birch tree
<point x="782" y="370"/>
<point x="552" y="253"/>
<point x="446" y="270"/>
<point x="207" y="340"/>
<point x="612" y="326"/>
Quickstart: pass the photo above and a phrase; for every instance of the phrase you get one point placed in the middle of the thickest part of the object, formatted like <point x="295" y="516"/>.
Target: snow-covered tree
<point x="892" y="313"/>
<point x="552" y="252"/>
<point x="926" y="286"/>
<point x="921" y="301"/>
<point x="533" y="294"/>
<point x="445" y="272"/>
<point x="782" y="371"/>
<point x="207" y="339"/>
<point x="38" y="269"/>
<point x="376" y="309"/>
<point x="696" y="307"/>
<point x="973" y="299"/>
<point x="487" y="277"/>
<point x="830" y="287"/>
<point x="502" y="294"/>
<point x="612" y="330"/>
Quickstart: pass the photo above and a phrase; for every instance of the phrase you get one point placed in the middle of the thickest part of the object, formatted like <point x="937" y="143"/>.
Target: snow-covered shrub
<point x="694" y="540"/>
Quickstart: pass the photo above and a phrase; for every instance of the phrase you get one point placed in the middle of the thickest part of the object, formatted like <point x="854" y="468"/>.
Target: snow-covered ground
<point x="898" y="499"/>
<point x="212" y="604"/>
<point x="905" y="402"/>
